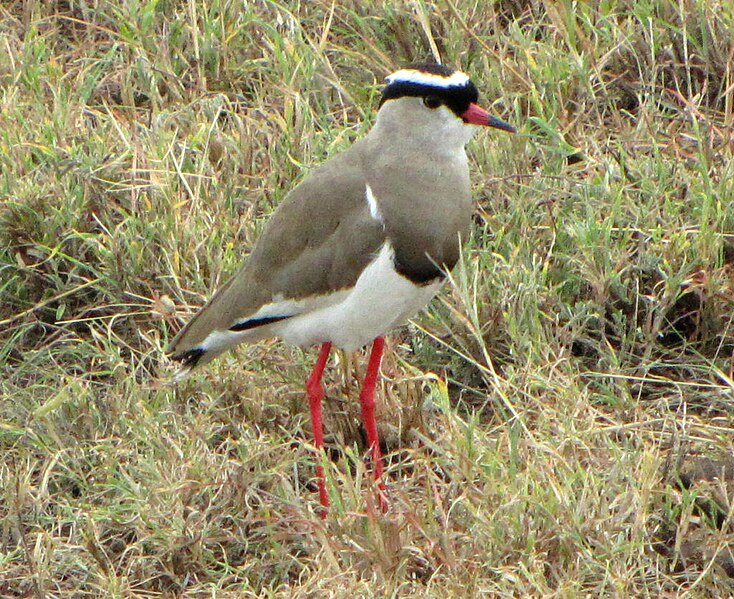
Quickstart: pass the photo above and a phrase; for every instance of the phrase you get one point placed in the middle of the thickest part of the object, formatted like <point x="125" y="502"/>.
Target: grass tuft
<point x="558" y="423"/>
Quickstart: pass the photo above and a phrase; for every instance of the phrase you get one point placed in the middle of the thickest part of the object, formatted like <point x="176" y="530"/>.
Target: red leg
<point x="315" y="392"/>
<point x="367" y="399"/>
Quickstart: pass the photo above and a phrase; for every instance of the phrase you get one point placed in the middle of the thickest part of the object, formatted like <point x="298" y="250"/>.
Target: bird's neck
<point x="436" y="141"/>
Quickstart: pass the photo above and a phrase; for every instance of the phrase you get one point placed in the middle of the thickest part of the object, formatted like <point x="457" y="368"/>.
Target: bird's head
<point x="435" y="100"/>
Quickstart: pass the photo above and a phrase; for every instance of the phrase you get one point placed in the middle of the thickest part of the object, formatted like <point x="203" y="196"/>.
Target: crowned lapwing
<point x="360" y="245"/>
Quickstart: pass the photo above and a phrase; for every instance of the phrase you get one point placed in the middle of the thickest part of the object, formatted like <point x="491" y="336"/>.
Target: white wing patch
<point x="374" y="208"/>
<point x="380" y="300"/>
<point x="456" y="79"/>
<point x="350" y="318"/>
<point x="218" y="341"/>
<point x="292" y="307"/>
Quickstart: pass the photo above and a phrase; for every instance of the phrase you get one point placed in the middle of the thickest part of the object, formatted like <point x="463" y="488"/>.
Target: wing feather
<point x="318" y="241"/>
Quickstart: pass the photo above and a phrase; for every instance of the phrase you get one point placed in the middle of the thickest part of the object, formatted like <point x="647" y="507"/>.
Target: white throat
<point x="406" y="122"/>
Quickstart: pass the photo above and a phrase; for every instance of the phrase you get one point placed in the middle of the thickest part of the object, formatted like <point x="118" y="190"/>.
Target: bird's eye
<point x="432" y="102"/>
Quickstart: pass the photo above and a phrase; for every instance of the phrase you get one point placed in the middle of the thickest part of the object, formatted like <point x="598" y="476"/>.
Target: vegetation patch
<point x="558" y="422"/>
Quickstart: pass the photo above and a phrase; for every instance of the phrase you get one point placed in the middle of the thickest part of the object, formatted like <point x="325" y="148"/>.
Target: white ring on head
<point x="456" y="79"/>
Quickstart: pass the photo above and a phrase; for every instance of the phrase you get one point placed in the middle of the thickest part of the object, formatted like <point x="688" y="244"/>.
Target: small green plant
<point x="539" y="416"/>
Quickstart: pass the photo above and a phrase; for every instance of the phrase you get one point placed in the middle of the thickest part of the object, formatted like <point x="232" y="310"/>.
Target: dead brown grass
<point x="559" y="422"/>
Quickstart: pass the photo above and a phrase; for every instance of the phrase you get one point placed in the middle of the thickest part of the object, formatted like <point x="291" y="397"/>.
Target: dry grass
<point x="559" y="421"/>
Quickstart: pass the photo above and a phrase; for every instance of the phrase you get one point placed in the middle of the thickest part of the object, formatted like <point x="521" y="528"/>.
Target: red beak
<point x="476" y="115"/>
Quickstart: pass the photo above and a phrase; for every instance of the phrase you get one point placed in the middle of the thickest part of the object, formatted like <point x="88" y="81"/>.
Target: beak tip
<point x="493" y="121"/>
<point x="475" y="115"/>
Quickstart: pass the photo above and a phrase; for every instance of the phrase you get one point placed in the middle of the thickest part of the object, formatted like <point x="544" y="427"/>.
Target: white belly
<point x="381" y="299"/>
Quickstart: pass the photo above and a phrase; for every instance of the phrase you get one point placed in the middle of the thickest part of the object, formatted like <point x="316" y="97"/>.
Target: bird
<point x="359" y="246"/>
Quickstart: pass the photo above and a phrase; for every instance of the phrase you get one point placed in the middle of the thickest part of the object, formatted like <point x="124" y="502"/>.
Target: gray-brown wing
<point x="319" y="240"/>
